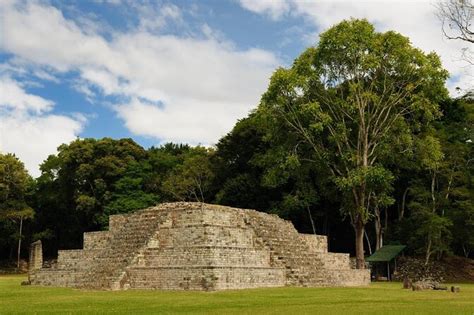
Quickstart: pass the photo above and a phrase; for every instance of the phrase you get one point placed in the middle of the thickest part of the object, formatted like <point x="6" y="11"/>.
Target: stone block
<point x="316" y="243"/>
<point x="96" y="240"/>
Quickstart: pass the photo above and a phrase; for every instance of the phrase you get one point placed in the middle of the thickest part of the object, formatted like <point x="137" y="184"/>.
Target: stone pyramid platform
<point x="194" y="246"/>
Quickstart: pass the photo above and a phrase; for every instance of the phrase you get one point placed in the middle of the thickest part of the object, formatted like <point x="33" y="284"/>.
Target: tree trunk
<point x="402" y="208"/>
<point x="433" y="210"/>
<point x="19" y="244"/>
<point x="368" y="242"/>
<point x="433" y="196"/>
<point x="311" y="219"/>
<point x="428" y="251"/>
<point x="378" y="229"/>
<point x="466" y="251"/>
<point x="359" y="244"/>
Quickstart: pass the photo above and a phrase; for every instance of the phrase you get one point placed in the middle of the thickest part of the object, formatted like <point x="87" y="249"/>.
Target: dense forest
<point x="358" y="139"/>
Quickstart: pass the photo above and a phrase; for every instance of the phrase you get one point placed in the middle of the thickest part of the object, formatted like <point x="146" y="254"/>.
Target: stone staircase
<point x="306" y="264"/>
<point x="102" y="262"/>
<point x="122" y="249"/>
<point x="286" y="248"/>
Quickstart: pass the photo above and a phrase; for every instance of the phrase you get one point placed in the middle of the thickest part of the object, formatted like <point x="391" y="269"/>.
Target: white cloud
<point x="13" y="97"/>
<point x="415" y="19"/>
<point x="153" y="18"/>
<point x="101" y="78"/>
<point x="33" y="138"/>
<point x="273" y="8"/>
<point x="203" y="84"/>
<point x="85" y="89"/>
<point x="42" y="74"/>
<point x="174" y="123"/>
<point x="28" y="129"/>
<point x="41" y="35"/>
<point x="112" y="2"/>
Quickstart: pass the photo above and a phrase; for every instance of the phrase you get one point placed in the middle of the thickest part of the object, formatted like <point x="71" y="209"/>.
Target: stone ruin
<point x="195" y="246"/>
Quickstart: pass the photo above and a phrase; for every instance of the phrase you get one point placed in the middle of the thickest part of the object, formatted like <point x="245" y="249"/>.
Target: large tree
<point x="14" y="185"/>
<point x="353" y="100"/>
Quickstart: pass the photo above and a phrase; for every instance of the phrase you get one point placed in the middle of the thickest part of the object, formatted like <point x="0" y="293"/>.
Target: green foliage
<point x="344" y="99"/>
<point x="430" y="153"/>
<point x="15" y="184"/>
<point x="191" y="180"/>
<point x="238" y="178"/>
<point x="130" y="192"/>
<point x="430" y="232"/>
<point x="84" y="183"/>
<point x="349" y="101"/>
<point x="441" y="196"/>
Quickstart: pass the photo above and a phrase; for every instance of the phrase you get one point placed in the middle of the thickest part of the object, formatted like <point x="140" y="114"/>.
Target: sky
<point x="167" y="71"/>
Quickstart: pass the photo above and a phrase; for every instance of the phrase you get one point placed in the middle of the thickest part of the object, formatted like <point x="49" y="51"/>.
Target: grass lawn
<point x="379" y="298"/>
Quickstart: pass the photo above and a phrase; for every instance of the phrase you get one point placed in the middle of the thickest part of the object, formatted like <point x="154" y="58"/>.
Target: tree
<point x="14" y="184"/>
<point x="130" y="193"/>
<point x="352" y="99"/>
<point x="437" y="185"/>
<point x="192" y="179"/>
<point x="252" y="173"/>
<point x="430" y="199"/>
<point x="455" y="130"/>
<point x="238" y="177"/>
<point x="456" y="17"/>
<point x="163" y="160"/>
<point x="85" y="182"/>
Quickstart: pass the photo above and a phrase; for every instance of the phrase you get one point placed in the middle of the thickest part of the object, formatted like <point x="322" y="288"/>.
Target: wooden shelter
<point x="384" y="257"/>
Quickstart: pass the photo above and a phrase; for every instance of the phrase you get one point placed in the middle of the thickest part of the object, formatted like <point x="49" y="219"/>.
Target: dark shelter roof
<point x="386" y="253"/>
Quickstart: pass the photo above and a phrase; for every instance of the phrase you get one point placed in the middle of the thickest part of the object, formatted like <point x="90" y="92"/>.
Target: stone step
<point x="207" y="256"/>
<point x="205" y="278"/>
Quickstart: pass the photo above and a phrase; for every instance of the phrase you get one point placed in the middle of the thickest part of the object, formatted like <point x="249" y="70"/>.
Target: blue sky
<point x="159" y="71"/>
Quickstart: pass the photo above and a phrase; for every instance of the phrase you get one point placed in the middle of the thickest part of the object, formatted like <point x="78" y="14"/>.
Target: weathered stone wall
<point x="36" y="259"/>
<point x="197" y="246"/>
<point x="96" y="240"/>
<point x="116" y="222"/>
<point x="213" y="236"/>
<point x="204" y="256"/>
<point x="204" y="278"/>
<point x="316" y="243"/>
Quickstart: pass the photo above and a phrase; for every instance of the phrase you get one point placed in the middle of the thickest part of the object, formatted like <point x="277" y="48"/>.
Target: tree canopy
<point x="15" y="184"/>
<point x="352" y="103"/>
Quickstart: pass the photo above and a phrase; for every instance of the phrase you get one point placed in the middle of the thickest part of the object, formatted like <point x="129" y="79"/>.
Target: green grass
<point x="379" y="298"/>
